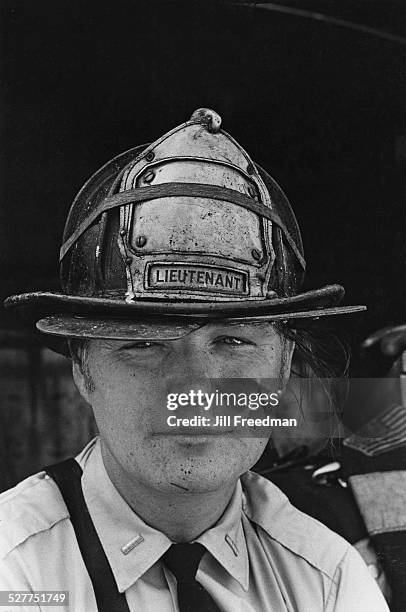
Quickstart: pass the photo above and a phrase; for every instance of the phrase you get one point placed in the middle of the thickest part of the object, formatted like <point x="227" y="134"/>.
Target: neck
<point x="182" y="516"/>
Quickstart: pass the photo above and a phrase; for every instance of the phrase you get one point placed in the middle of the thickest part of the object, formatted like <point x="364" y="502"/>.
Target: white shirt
<point x="262" y="555"/>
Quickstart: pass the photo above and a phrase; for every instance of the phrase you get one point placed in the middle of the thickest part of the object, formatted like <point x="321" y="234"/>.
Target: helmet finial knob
<point x="207" y="117"/>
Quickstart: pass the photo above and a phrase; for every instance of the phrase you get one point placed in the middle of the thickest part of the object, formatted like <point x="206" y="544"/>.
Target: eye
<point x="139" y="345"/>
<point x="232" y="341"/>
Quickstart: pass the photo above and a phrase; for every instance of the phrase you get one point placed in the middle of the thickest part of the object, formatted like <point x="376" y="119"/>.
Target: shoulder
<point x="32" y="507"/>
<point x="298" y="534"/>
<point x="313" y="563"/>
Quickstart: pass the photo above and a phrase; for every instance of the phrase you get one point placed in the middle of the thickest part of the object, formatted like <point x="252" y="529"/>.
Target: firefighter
<point x="181" y="264"/>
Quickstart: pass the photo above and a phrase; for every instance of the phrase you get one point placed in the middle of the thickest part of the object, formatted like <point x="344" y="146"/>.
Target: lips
<point x="205" y="433"/>
<point x="196" y="432"/>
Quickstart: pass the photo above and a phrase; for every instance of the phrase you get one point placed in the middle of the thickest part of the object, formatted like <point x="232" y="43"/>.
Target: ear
<point x="80" y="380"/>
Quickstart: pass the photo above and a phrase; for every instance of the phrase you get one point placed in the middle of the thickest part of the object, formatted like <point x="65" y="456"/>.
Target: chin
<point x="199" y="481"/>
<point x="197" y="464"/>
<point x="201" y="474"/>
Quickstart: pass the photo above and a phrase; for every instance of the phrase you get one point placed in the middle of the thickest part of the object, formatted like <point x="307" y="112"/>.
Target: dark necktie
<point x="183" y="561"/>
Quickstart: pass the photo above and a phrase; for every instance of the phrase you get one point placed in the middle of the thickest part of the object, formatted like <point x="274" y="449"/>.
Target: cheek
<point x="262" y="363"/>
<point x="126" y="402"/>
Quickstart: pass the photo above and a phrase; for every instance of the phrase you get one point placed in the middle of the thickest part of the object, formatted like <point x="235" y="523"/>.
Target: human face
<point x="131" y="380"/>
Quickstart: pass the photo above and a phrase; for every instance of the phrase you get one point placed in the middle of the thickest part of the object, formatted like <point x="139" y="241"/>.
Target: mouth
<point x="186" y="436"/>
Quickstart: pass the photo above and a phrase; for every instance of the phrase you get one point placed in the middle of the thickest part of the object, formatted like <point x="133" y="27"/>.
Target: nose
<point x="190" y="358"/>
<point x="190" y="368"/>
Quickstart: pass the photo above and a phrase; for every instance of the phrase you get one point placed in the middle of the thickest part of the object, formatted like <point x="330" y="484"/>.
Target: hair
<point x="320" y="357"/>
<point x="319" y="352"/>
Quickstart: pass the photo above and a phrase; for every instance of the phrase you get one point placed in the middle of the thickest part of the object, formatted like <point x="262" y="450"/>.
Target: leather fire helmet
<point x="166" y="236"/>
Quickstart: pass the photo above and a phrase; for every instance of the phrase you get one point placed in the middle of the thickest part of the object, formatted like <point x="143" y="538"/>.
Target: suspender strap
<point x="67" y="475"/>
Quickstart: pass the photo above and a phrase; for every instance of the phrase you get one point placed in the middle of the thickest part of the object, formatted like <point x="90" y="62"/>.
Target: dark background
<point x="322" y="107"/>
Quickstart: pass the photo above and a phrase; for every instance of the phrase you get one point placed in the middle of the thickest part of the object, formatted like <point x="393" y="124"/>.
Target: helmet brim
<point x="71" y="326"/>
<point x="66" y="316"/>
<point x="37" y="305"/>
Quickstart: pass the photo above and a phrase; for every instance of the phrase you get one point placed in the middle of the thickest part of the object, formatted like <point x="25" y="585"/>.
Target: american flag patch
<point x="382" y="434"/>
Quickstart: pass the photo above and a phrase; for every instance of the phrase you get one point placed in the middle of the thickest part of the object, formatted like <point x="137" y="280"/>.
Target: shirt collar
<point x="226" y="540"/>
<point x="133" y="547"/>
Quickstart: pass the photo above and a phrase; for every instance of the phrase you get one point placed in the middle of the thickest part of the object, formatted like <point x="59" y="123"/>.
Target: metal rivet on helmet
<point x="149" y="177"/>
<point x="141" y="241"/>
